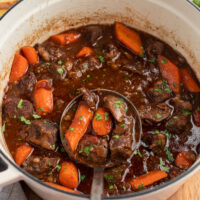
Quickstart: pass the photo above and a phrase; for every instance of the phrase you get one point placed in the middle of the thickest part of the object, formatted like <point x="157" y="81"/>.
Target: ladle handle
<point x="97" y="184"/>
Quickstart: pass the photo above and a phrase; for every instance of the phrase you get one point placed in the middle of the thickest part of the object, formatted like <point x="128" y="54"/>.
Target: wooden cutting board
<point x="189" y="191"/>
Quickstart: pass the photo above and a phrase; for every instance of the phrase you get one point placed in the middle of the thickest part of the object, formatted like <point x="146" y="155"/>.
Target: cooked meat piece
<point x="131" y="68"/>
<point x="16" y="107"/>
<point x="180" y="121"/>
<point x="93" y="148"/>
<point x="52" y="54"/>
<point x="38" y="165"/>
<point x="27" y="83"/>
<point x="93" y="33"/>
<point x="43" y="133"/>
<point x="90" y="98"/>
<point x="198" y="148"/>
<point x="58" y="71"/>
<point x="154" y="48"/>
<point x="154" y="140"/>
<point x="112" y="53"/>
<point x="174" y="172"/>
<point x="94" y="63"/>
<point x="121" y="143"/>
<point x="116" y="174"/>
<point x="152" y="113"/>
<point x="116" y="106"/>
<point x="159" y="92"/>
<point x="75" y="74"/>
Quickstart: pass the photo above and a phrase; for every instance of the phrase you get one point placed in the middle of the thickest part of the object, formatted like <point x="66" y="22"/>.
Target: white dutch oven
<point x="30" y="21"/>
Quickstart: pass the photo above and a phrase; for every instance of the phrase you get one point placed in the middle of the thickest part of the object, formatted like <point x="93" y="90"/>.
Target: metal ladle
<point x="97" y="183"/>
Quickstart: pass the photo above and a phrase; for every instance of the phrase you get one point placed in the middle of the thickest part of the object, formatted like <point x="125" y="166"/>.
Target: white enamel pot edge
<point x="31" y="21"/>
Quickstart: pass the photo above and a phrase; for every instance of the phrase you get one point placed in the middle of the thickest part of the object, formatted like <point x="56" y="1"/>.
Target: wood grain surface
<point x="189" y="191"/>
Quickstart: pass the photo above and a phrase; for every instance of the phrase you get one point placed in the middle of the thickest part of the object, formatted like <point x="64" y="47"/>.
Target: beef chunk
<point x="43" y="133"/>
<point x="154" y="48"/>
<point x="58" y="71"/>
<point x="121" y="143"/>
<point x="94" y="148"/>
<point x="174" y="172"/>
<point x="116" y="106"/>
<point x="180" y="120"/>
<point x="90" y="98"/>
<point x="93" y="33"/>
<point x="154" y="140"/>
<point x="116" y="174"/>
<point x="16" y="107"/>
<point x="38" y="165"/>
<point x="152" y="113"/>
<point x="27" y="83"/>
<point x="159" y="92"/>
<point x="52" y="54"/>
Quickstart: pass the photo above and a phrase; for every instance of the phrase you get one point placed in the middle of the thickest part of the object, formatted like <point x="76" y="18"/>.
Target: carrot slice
<point x="147" y="179"/>
<point x="43" y="97"/>
<point x="79" y="125"/>
<point x="60" y="187"/>
<point x="22" y="153"/>
<point x="129" y="38"/>
<point x="170" y="72"/>
<point x="84" y="52"/>
<point x="30" y="54"/>
<point x="188" y="81"/>
<point x="102" y="122"/>
<point x="19" y="68"/>
<point x="65" y="38"/>
<point x="185" y="159"/>
<point x="196" y="116"/>
<point x="68" y="175"/>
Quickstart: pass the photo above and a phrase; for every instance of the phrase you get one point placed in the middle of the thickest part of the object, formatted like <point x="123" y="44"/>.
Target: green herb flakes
<point x="186" y="112"/>
<point x="175" y="117"/>
<point x="158" y="116"/>
<point x="19" y="105"/>
<point x="36" y="116"/>
<point x="106" y="116"/>
<point x="23" y="119"/>
<point x="88" y="76"/>
<point x="58" y="167"/>
<point x="167" y="90"/>
<point x="116" y="136"/>
<point x="140" y="186"/>
<point x="118" y="104"/>
<point x="169" y="154"/>
<point x="124" y="188"/>
<point x="122" y="125"/>
<point x="86" y="66"/>
<point x="163" y="61"/>
<point x="60" y="62"/>
<point x="109" y="177"/>
<point x="97" y="116"/>
<point x="164" y="83"/>
<point x="111" y="187"/>
<point x="168" y="135"/>
<point x="198" y="108"/>
<point x="152" y="60"/>
<point x="162" y="167"/>
<point x="60" y="71"/>
<point x="82" y="177"/>
<point x="175" y="85"/>
<point x="158" y="90"/>
<point x="80" y="118"/>
<point x="101" y="58"/>
<point x="53" y="146"/>
<point x="62" y="149"/>
<point x="137" y="152"/>
<point x="49" y="164"/>
<point x="71" y="128"/>
<point x="4" y="127"/>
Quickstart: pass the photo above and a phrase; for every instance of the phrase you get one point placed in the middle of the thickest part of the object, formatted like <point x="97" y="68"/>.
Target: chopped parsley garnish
<point x="87" y="150"/>
<point x="186" y="112"/>
<point x="111" y="187"/>
<point x="175" y="85"/>
<point x="62" y="149"/>
<point x="122" y="125"/>
<point x="140" y="186"/>
<point x="41" y="109"/>
<point x="49" y="173"/>
<point x="88" y="76"/>
<point x="124" y="188"/>
<point x="159" y="142"/>
<point x="158" y="116"/>
<point x="118" y="104"/>
<point x="152" y="60"/>
<point x="175" y="117"/>
<point x="162" y="167"/>
<point x="97" y="116"/>
<point x="60" y="71"/>
<point x="49" y="164"/>
<point x="106" y="116"/>
<point x="163" y="61"/>
<point x="15" y="116"/>
<point x="110" y="177"/>
<point x="116" y="136"/>
<point x="19" y="105"/>
<point x="169" y="154"/>
<point x="86" y="66"/>
<point x="60" y="62"/>
<point x="157" y="131"/>
<point x="164" y="82"/>
<point x="82" y="177"/>
<point x="167" y="90"/>
<point x="58" y="167"/>
<point x="137" y="152"/>
<point x="71" y="128"/>
<point x="126" y="53"/>
<point x="101" y="58"/>
<point x="47" y="63"/>
<point x="158" y="90"/>
<point x="198" y="108"/>
<point x="80" y="118"/>
<point x="19" y="139"/>
<point x="4" y="127"/>
<point x="53" y="146"/>
<point x="169" y="135"/>
<point x="169" y="123"/>
<point x="36" y="116"/>
<point x="23" y="119"/>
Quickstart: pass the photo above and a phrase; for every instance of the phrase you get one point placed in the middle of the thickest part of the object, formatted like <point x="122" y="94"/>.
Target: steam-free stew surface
<point x="152" y="75"/>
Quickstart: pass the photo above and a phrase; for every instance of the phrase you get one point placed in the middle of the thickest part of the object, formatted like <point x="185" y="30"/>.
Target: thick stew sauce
<point x="156" y="78"/>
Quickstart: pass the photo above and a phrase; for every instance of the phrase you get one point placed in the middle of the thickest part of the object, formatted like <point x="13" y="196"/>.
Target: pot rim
<point x="129" y="195"/>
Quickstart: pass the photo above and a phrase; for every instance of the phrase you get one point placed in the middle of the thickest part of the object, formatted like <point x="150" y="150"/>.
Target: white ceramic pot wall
<point x="175" y="22"/>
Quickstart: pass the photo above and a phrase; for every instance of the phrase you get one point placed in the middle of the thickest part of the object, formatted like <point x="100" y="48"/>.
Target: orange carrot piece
<point x="185" y="159"/>
<point x="22" y="153"/>
<point x="31" y="54"/>
<point x="60" y="187"/>
<point x="188" y="81"/>
<point x="19" y="68"/>
<point x="43" y="97"/>
<point x="84" y="52"/>
<point x="65" y="38"/>
<point x="79" y="125"/>
<point x="196" y="116"/>
<point x="170" y="72"/>
<point x="68" y="175"/>
<point x="147" y="179"/>
<point x="102" y="122"/>
<point x="129" y="38"/>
